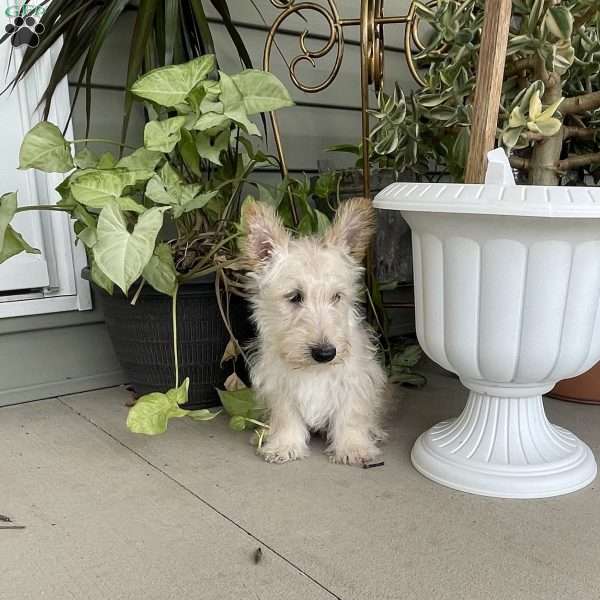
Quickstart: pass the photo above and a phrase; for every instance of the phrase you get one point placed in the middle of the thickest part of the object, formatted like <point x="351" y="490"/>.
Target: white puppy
<point x="315" y="364"/>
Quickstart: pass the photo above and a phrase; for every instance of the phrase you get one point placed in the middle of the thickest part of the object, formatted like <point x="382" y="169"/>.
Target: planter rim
<point x="491" y="199"/>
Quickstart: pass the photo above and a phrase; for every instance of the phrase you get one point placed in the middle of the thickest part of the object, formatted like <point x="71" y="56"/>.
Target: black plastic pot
<point x="142" y="336"/>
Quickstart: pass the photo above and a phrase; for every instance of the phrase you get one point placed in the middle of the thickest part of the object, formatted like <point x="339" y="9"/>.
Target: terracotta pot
<point x="584" y="388"/>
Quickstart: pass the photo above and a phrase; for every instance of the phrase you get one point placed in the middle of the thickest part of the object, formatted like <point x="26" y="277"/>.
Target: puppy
<point x="315" y="364"/>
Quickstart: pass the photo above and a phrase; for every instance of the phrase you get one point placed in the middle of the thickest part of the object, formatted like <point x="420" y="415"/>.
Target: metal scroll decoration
<point x="371" y="24"/>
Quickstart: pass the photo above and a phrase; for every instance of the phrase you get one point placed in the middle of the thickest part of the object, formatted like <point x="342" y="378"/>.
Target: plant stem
<point x="580" y="133"/>
<point x="101" y="141"/>
<point x="575" y="161"/>
<point x="174" y="319"/>
<point x="518" y="162"/>
<point x="580" y="104"/>
<point x="545" y="155"/>
<point x="42" y="207"/>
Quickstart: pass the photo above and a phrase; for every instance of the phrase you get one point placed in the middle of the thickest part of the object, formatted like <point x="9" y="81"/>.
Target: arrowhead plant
<point x="167" y="212"/>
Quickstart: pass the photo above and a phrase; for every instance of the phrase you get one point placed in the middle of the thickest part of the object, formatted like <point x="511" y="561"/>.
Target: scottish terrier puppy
<point x="315" y="363"/>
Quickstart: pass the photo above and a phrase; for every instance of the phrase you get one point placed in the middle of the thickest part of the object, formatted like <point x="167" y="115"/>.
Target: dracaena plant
<point x="550" y="111"/>
<point x="165" y="32"/>
<point x="168" y="211"/>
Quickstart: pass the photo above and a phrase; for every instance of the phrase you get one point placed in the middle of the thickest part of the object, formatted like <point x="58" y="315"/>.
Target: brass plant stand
<point x="371" y="23"/>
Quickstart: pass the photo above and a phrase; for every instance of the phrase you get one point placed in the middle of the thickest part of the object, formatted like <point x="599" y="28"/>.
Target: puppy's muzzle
<point x="323" y="353"/>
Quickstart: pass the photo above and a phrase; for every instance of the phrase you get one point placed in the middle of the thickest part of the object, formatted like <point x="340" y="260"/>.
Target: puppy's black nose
<point x="323" y="353"/>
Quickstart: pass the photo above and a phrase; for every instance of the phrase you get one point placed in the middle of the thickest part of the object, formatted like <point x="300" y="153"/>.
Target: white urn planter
<point x="507" y="292"/>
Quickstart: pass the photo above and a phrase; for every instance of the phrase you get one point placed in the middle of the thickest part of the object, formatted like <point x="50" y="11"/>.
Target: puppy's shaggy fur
<point x="315" y="363"/>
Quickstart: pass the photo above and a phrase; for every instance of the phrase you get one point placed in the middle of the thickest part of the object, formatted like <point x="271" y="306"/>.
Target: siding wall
<point x="56" y="354"/>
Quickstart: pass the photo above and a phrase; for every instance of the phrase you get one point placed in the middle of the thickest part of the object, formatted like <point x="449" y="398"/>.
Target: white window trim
<point x="67" y="291"/>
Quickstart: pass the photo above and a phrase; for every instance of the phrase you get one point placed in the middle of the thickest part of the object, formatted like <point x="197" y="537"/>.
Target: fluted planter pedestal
<point x="504" y="447"/>
<point x="507" y="292"/>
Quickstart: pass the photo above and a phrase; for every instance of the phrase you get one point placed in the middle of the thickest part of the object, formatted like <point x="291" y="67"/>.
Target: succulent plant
<point x="550" y="110"/>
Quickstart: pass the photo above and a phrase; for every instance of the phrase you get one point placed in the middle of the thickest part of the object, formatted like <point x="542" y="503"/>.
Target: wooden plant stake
<point x="488" y="88"/>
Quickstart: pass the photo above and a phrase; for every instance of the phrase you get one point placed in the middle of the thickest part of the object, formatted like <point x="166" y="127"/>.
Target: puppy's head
<point x="306" y="290"/>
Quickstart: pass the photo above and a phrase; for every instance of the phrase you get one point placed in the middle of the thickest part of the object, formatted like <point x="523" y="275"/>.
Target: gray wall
<point x="48" y="355"/>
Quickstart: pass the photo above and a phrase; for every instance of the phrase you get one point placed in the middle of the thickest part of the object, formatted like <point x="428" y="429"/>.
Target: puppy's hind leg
<point x="288" y="435"/>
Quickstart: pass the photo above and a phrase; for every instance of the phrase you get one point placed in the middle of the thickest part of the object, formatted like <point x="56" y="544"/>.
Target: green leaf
<point x="348" y="148"/>
<point x="236" y="38"/>
<point x="143" y="29"/>
<point x="524" y="98"/>
<point x="140" y="160"/>
<point x="45" y="148"/>
<point x="550" y="110"/>
<point x="11" y="242"/>
<point x="88" y="236"/>
<point x="261" y="91"/>
<point x="511" y="136"/>
<point x="187" y="149"/>
<point x="210" y="148"/>
<point x="106" y="161"/>
<point x="157" y="191"/>
<point x="170" y="189"/>
<point x="408" y="357"/>
<point x="517" y="118"/>
<point x="85" y="159"/>
<point x="237" y="423"/>
<point x="163" y="135"/>
<point x="8" y="208"/>
<point x="128" y="204"/>
<point x="83" y="215"/>
<point x="233" y="104"/>
<point x="151" y="413"/>
<point x="535" y="106"/>
<point x="171" y="85"/>
<point x="193" y="202"/>
<point x="203" y="414"/>
<point x="211" y="120"/>
<point x="559" y="22"/>
<point x="407" y="377"/>
<point x="160" y="271"/>
<point x="121" y="255"/>
<point x="241" y="403"/>
<point x="322" y="222"/>
<point x="547" y="127"/>
<point x="100" y="279"/>
<point x="96" y="188"/>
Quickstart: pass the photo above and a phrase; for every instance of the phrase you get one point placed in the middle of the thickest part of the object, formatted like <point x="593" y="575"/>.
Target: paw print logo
<point x="25" y="31"/>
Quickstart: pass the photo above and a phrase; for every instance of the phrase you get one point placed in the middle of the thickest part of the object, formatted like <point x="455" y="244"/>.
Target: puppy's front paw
<point x="276" y="453"/>
<point x="355" y="455"/>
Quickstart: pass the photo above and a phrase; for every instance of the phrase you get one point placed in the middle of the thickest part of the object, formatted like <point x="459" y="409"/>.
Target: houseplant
<point x="507" y="277"/>
<point x="167" y="213"/>
<point x="550" y="107"/>
<point x="553" y="52"/>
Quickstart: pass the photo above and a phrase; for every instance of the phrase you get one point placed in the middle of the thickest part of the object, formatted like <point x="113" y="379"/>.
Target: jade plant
<point x="550" y="109"/>
<point x="167" y="212"/>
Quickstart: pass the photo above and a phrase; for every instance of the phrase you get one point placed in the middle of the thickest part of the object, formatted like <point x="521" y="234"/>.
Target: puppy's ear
<point x="353" y="227"/>
<point x="264" y="233"/>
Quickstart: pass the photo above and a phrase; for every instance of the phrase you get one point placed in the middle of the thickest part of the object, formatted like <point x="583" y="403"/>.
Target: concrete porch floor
<point x="112" y="515"/>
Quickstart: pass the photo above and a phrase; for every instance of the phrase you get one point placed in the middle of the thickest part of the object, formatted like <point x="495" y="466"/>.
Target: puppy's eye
<point x="336" y="298"/>
<point x="296" y="297"/>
